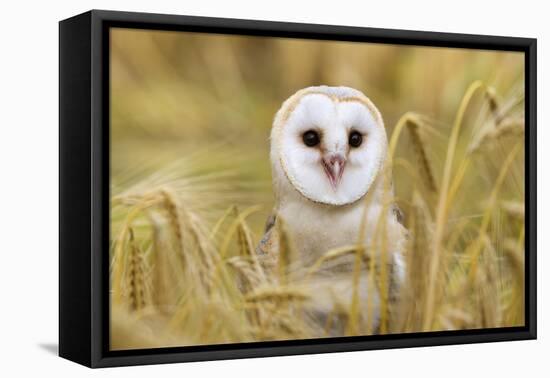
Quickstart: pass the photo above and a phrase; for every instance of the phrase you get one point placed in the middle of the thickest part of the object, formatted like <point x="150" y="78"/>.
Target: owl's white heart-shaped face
<point x="331" y="148"/>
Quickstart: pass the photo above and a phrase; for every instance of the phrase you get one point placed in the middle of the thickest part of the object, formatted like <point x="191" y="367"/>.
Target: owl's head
<point x="330" y="143"/>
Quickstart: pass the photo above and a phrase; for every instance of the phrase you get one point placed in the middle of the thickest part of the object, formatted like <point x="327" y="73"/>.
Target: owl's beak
<point x="334" y="168"/>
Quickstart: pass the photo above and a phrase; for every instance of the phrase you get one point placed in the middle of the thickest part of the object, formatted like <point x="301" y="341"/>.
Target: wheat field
<point x="191" y="190"/>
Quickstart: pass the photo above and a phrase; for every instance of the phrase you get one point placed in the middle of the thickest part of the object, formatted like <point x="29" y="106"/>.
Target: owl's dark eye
<point x="311" y="138"/>
<point x="355" y="139"/>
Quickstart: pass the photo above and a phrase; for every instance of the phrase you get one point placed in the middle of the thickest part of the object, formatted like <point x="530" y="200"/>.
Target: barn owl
<point x="328" y="155"/>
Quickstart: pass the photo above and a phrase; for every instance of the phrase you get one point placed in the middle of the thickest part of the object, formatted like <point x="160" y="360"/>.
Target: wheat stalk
<point x="413" y="125"/>
<point x="136" y="276"/>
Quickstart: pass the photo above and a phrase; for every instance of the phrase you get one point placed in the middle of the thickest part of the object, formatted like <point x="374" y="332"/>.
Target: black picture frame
<point x="84" y="187"/>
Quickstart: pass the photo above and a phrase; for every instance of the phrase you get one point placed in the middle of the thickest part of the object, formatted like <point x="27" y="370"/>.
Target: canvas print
<point x="268" y="188"/>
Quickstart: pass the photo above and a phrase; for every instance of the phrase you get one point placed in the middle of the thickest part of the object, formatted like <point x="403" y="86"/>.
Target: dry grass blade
<point x="174" y="216"/>
<point x="509" y="127"/>
<point x="246" y="271"/>
<point x="277" y="294"/>
<point x="514" y="254"/>
<point x="167" y="265"/>
<point x="413" y="125"/>
<point x="515" y="209"/>
<point x="413" y="294"/>
<point x="335" y="254"/>
<point x="246" y="245"/>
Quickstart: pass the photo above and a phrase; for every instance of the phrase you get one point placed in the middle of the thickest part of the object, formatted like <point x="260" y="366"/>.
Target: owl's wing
<point x="270" y="223"/>
<point x="398" y="213"/>
<point x="267" y="249"/>
<point x="398" y="265"/>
